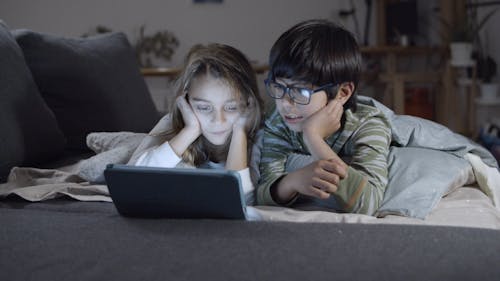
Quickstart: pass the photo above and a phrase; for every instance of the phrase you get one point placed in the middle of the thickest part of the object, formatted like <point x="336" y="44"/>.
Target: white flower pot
<point x="489" y="92"/>
<point x="461" y="53"/>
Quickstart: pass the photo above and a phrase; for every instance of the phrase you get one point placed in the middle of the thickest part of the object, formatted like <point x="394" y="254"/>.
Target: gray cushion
<point x="29" y="131"/>
<point x="91" y="84"/>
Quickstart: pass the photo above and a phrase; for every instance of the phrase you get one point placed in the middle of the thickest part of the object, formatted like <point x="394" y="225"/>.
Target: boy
<point x="314" y="73"/>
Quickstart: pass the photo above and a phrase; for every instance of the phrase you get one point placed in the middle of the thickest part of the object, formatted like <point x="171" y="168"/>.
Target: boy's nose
<point x="287" y="100"/>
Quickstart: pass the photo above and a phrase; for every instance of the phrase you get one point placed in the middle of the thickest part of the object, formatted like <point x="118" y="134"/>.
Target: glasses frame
<point x="287" y="89"/>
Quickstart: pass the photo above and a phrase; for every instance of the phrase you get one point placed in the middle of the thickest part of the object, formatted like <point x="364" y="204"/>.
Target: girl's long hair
<point x="217" y="61"/>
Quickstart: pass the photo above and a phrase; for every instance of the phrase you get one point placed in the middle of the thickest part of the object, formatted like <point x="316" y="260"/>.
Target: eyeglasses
<point x="300" y="95"/>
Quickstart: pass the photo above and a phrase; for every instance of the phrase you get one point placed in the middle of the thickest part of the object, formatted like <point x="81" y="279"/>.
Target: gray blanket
<point x="426" y="162"/>
<point x="411" y="131"/>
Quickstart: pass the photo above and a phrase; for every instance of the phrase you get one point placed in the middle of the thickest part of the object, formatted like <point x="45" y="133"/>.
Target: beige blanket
<point x="34" y="185"/>
<point x="469" y="206"/>
<point x="465" y="206"/>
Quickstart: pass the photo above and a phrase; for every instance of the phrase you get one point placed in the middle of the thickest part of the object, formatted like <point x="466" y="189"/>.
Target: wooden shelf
<point x="395" y="79"/>
<point x="161" y="71"/>
<point x="487" y="102"/>
<point x="401" y="50"/>
<point x="172" y="72"/>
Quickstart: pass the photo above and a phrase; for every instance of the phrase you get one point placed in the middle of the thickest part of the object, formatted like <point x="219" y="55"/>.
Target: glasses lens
<point x="275" y="90"/>
<point x="300" y="95"/>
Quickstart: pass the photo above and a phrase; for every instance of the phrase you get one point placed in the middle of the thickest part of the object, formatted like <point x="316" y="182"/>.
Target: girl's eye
<point x="231" y="108"/>
<point x="204" y="108"/>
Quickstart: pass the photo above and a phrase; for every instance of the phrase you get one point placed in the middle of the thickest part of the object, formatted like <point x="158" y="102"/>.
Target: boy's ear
<point x="344" y="92"/>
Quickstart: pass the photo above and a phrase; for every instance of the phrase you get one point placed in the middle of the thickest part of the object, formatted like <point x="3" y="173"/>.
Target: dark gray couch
<point x="56" y="90"/>
<point x="69" y="240"/>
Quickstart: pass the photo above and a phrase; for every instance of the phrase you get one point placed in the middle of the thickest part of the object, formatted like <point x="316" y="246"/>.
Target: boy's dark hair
<point x="317" y="52"/>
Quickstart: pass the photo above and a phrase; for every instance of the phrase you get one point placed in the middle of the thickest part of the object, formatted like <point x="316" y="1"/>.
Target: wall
<point x="252" y="26"/>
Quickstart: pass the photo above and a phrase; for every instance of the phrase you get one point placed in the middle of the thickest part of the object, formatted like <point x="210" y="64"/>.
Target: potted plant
<point x="486" y="70"/>
<point x="486" y="67"/>
<point x="159" y="46"/>
<point x="463" y="34"/>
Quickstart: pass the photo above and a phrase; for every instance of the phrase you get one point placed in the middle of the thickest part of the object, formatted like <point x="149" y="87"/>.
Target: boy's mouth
<point x="292" y="118"/>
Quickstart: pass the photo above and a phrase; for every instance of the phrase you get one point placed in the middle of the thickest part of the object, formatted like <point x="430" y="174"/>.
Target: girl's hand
<point x="318" y="179"/>
<point x="191" y="130"/>
<point x="237" y="156"/>
<point x="326" y="121"/>
<point x="191" y="122"/>
<point x="244" y="121"/>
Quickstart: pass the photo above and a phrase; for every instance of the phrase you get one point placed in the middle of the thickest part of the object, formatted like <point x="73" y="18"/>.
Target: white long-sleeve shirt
<point x="164" y="156"/>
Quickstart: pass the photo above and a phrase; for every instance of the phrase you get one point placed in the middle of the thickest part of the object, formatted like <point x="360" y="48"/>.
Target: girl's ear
<point x="344" y="92"/>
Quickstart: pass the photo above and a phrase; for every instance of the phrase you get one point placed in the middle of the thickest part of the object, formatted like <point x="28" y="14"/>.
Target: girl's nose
<point x="219" y="117"/>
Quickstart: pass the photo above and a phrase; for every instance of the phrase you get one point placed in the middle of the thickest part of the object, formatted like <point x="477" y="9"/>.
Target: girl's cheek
<point x="234" y="117"/>
<point x="202" y="118"/>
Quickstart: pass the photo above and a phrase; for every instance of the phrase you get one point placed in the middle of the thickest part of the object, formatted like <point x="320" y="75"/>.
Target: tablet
<point x="183" y="193"/>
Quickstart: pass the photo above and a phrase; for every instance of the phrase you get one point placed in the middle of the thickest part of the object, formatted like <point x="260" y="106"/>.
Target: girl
<point x="214" y="120"/>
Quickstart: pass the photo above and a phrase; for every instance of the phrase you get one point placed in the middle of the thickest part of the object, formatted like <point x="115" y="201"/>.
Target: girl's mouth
<point x="219" y="133"/>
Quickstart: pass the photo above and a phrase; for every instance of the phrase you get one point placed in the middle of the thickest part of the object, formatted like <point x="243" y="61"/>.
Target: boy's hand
<point x="191" y="122"/>
<point x="318" y="179"/>
<point x="324" y="122"/>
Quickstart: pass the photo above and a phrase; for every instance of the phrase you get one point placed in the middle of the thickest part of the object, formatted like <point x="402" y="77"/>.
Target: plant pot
<point x="489" y="92"/>
<point x="461" y="53"/>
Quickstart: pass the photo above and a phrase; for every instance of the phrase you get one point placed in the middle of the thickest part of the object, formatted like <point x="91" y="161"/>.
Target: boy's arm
<point x="320" y="150"/>
<point x="361" y="191"/>
<point x="278" y="187"/>
<point x="371" y="149"/>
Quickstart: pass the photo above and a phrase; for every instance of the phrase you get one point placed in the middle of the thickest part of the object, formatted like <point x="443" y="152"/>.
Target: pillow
<point x="419" y="178"/>
<point x="91" y="84"/>
<point x="103" y="141"/>
<point x="111" y="148"/>
<point x="29" y="131"/>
